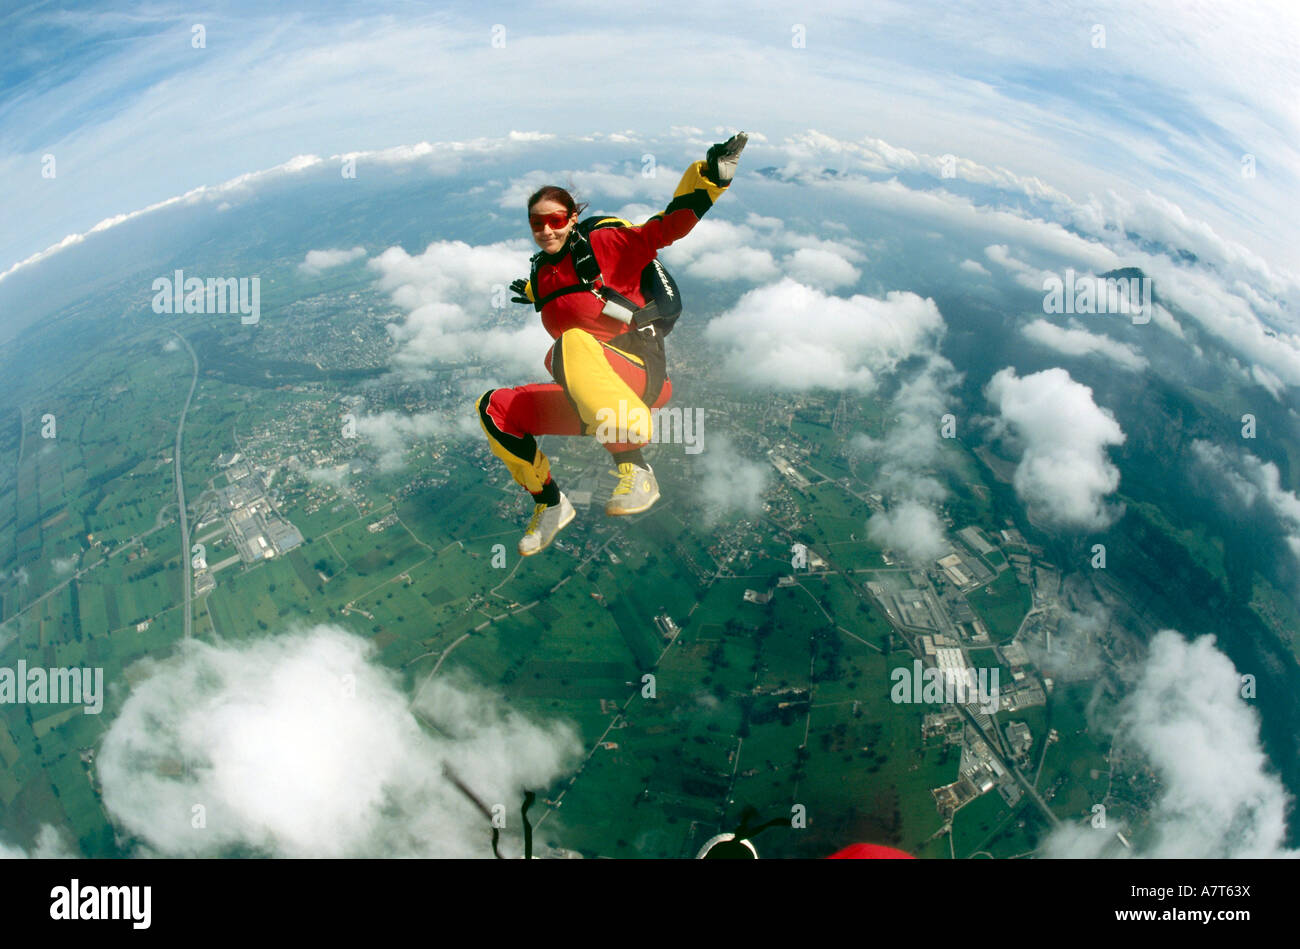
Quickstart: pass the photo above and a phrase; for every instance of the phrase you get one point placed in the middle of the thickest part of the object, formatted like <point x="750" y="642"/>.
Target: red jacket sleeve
<point x="634" y="247"/>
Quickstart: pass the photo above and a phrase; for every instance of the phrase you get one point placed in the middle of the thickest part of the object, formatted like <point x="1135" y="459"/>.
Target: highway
<point x="186" y="576"/>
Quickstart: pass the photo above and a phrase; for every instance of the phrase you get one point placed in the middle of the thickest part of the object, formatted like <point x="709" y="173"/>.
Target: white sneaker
<point x="546" y="523"/>
<point x="637" y="490"/>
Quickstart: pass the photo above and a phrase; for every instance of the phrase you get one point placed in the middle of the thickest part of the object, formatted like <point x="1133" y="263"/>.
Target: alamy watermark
<point x="76" y="901"/>
<point x="59" y="686"/>
<point x="946" y="686"/>
<point x="1087" y="293"/>
<point x="181" y="294"/>
<point x="672" y="425"/>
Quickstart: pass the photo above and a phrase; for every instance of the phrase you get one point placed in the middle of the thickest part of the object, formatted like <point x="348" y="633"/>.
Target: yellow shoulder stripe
<point x="695" y="179"/>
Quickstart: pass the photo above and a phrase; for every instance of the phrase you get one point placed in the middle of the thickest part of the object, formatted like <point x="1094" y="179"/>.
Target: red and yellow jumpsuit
<point x="593" y="369"/>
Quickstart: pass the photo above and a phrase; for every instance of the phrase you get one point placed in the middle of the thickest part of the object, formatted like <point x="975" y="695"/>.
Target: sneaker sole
<point x="563" y="524"/>
<point x="620" y="512"/>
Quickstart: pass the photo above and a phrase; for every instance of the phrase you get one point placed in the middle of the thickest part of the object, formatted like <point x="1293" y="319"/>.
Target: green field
<point x="1002" y="604"/>
<point x="764" y="709"/>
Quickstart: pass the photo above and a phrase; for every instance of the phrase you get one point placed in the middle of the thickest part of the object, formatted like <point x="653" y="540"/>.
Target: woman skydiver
<point x="587" y="282"/>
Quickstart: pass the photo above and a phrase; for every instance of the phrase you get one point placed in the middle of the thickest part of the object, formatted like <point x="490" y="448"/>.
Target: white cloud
<point x="49" y="845"/>
<point x="790" y="336"/>
<point x="821" y="268"/>
<point x="318" y="260"/>
<point x="1165" y="320"/>
<point x="1218" y="797"/>
<point x="18" y="575"/>
<point x="1231" y="302"/>
<point x="974" y="266"/>
<point x="743" y="263"/>
<point x="1275" y="386"/>
<point x="958" y="212"/>
<point x="717" y="249"/>
<point x="1226" y="315"/>
<point x="336" y="477"/>
<point x="300" y="746"/>
<point x="240" y="183"/>
<point x="1064" y="475"/>
<point x="1076" y="652"/>
<point x="913" y="447"/>
<point x="1031" y="278"/>
<point x="1255" y="481"/>
<point x="764" y="223"/>
<point x="393" y="433"/>
<point x="729" y="484"/>
<point x="911" y="528"/>
<point x="448" y="293"/>
<point x="1078" y="341"/>
<point x="636" y="212"/>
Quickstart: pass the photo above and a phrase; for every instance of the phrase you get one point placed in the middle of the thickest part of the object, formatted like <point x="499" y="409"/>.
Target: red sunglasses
<point x="556" y="221"/>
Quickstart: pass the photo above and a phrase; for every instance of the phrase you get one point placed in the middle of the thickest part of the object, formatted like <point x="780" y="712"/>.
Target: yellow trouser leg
<point x="607" y="405"/>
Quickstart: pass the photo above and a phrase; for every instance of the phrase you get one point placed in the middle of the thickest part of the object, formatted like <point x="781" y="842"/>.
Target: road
<point x="186" y="579"/>
<point x="1028" y="788"/>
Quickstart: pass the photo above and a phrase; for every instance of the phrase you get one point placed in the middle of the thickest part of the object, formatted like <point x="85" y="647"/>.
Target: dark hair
<point x="556" y="193"/>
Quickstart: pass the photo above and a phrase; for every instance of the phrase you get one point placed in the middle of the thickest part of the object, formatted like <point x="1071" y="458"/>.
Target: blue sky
<point x="134" y="114"/>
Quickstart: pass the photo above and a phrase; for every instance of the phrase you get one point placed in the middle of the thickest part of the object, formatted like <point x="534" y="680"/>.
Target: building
<point x="1013" y="654"/>
<point x="974" y="539"/>
<point x="667" y="627"/>
<point x="952" y="567"/>
<point x="1018" y="738"/>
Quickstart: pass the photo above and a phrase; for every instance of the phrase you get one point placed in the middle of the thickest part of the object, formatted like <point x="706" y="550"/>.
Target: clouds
<point x="718" y="249"/>
<point x="1233" y="293"/>
<point x="1224" y="309"/>
<point x="1076" y="647"/>
<point x="822" y="268"/>
<point x="319" y="260"/>
<point x="1218" y="797"/>
<point x="1034" y="114"/>
<point x="751" y="264"/>
<point x="392" y="433"/>
<point x="761" y="250"/>
<point x="791" y="336"/>
<point x="1255" y="484"/>
<point x="729" y="484"/>
<point x="336" y="477"/>
<point x="49" y="845"/>
<point x="1025" y="275"/>
<point x="913" y="445"/>
<point x="299" y="746"/>
<point x="795" y="337"/>
<point x="1076" y="340"/>
<point x="910" y="528"/>
<point x="1064" y="475"/>
<point x="906" y="459"/>
<point x="451" y="294"/>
